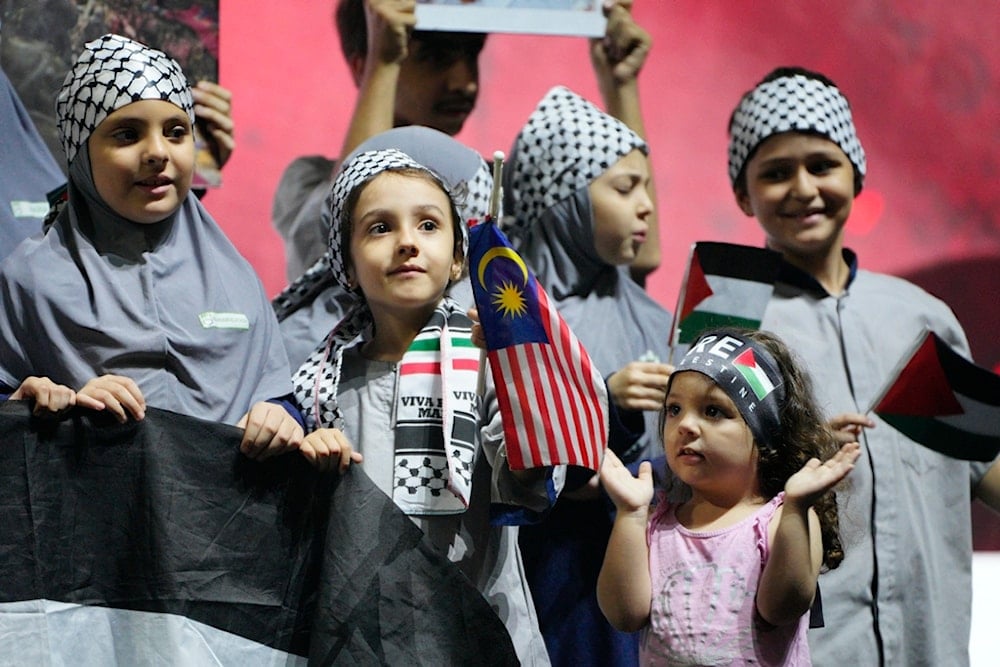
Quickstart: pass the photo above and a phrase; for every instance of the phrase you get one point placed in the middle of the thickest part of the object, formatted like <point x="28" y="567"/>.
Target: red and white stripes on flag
<point x="555" y="410"/>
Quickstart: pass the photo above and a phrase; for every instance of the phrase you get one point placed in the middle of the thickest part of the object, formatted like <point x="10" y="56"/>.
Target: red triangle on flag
<point x="697" y="288"/>
<point x="922" y="387"/>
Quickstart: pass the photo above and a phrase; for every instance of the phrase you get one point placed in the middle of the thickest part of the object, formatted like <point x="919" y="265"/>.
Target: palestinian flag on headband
<point x="746" y="365"/>
<point x="157" y="542"/>
<point x="944" y="401"/>
<point x="725" y="285"/>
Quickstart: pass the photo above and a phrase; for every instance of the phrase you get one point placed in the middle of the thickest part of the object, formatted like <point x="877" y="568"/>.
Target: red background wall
<point x="923" y="79"/>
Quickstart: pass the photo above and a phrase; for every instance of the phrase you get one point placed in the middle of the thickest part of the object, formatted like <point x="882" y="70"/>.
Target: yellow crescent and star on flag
<point x="508" y="297"/>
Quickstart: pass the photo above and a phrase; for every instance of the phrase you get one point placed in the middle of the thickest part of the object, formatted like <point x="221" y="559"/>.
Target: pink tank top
<point x="704" y="587"/>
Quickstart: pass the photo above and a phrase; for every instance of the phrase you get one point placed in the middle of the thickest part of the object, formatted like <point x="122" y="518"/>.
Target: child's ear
<point x="743" y="201"/>
<point x="456" y="268"/>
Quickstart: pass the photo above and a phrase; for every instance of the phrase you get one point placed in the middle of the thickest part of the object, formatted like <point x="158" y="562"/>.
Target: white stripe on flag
<point x="736" y="297"/>
<point x="45" y="632"/>
<point x="979" y="418"/>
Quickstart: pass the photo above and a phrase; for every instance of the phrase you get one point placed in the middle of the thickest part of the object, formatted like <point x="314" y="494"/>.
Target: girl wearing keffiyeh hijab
<point x="397" y="380"/>
<point x="577" y="200"/>
<point x="309" y="307"/>
<point x="727" y="576"/>
<point x="134" y="295"/>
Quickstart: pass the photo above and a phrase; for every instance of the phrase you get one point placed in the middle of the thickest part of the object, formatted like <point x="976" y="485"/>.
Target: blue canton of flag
<point x="506" y="292"/>
<point x="552" y="399"/>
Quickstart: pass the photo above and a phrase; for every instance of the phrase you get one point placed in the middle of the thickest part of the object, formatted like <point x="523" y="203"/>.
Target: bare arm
<point x="624" y="588"/>
<point x="788" y="582"/>
<point x="617" y="59"/>
<point x="389" y="25"/>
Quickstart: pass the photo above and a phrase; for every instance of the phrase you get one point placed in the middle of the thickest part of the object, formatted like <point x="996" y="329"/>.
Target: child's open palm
<point x="628" y="493"/>
<point x="816" y="478"/>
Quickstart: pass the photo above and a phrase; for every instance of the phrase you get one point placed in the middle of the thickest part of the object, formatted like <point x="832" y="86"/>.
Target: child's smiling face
<point x="800" y="187"/>
<point x="142" y="158"/>
<point x="402" y="243"/>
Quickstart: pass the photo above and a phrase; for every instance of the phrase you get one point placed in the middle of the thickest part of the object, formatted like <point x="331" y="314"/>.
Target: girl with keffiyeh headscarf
<point x="397" y="380"/>
<point x="577" y="210"/>
<point x="134" y="295"/>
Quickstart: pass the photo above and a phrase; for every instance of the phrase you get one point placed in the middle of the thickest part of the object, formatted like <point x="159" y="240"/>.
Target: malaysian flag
<point x="553" y="400"/>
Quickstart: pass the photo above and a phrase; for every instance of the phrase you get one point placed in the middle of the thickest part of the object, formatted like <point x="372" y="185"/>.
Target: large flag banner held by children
<point x="553" y="400"/>
<point x="944" y="401"/>
<point x="725" y="285"/>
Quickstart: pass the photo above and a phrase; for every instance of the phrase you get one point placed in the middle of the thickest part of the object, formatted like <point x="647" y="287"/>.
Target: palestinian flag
<point x="746" y="365"/>
<point x="725" y="285"/>
<point x="157" y="543"/>
<point x="944" y="401"/>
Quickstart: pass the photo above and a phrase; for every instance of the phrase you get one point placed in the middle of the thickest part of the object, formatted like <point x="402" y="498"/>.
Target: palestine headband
<point x="793" y="103"/>
<point x="112" y="72"/>
<point x="749" y="375"/>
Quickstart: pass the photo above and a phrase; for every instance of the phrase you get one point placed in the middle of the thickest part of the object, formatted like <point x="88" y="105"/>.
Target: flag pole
<point x="495" y="195"/>
<point x="672" y="341"/>
<point x="491" y="218"/>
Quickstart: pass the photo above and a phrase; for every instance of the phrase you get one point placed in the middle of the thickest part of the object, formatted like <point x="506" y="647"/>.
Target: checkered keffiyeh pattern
<point x="792" y="103"/>
<point x="566" y="143"/>
<point x="472" y="197"/>
<point x="361" y="169"/>
<point x="112" y="72"/>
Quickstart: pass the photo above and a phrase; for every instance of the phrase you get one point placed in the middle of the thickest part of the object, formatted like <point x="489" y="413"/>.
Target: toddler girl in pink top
<point x="727" y="576"/>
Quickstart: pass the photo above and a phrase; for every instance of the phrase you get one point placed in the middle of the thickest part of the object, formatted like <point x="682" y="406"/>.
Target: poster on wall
<point x="40" y="40"/>
<point x="543" y="17"/>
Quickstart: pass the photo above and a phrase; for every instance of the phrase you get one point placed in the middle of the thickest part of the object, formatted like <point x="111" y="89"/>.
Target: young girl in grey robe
<point x="134" y="296"/>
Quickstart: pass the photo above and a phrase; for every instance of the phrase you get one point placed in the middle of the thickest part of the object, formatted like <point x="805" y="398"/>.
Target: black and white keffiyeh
<point x="566" y="143"/>
<point x="792" y="103"/>
<point x="463" y="171"/>
<point x="112" y="72"/>
<point x="170" y="304"/>
<point x="434" y="446"/>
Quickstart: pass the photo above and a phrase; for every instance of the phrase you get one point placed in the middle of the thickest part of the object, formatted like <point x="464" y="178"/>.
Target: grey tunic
<point x="487" y="554"/>
<point x="171" y="305"/>
<point x="902" y="595"/>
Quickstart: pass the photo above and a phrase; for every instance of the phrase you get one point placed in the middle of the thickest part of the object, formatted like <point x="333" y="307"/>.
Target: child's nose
<point x="155" y="149"/>
<point x="803" y="184"/>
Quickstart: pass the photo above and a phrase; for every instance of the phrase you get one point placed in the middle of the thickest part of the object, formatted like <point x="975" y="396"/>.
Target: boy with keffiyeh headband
<point x="902" y="595"/>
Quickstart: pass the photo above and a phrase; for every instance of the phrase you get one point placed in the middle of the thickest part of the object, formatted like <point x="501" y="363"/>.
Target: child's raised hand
<point x="641" y="385"/>
<point x="389" y="24"/>
<point x="51" y="399"/>
<point x="628" y="493"/>
<point x="268" y="430"/>
<point x="118" y="394"/>
<point x="622" y="52"/>
<point x="213" y="105"/>
<point x="815" y="478"/>
<point x="847" y="427"/>
<point x="327" y="448"/>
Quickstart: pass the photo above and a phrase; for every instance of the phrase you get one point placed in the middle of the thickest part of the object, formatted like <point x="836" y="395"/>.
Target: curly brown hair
<point x="804" y="435"/>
